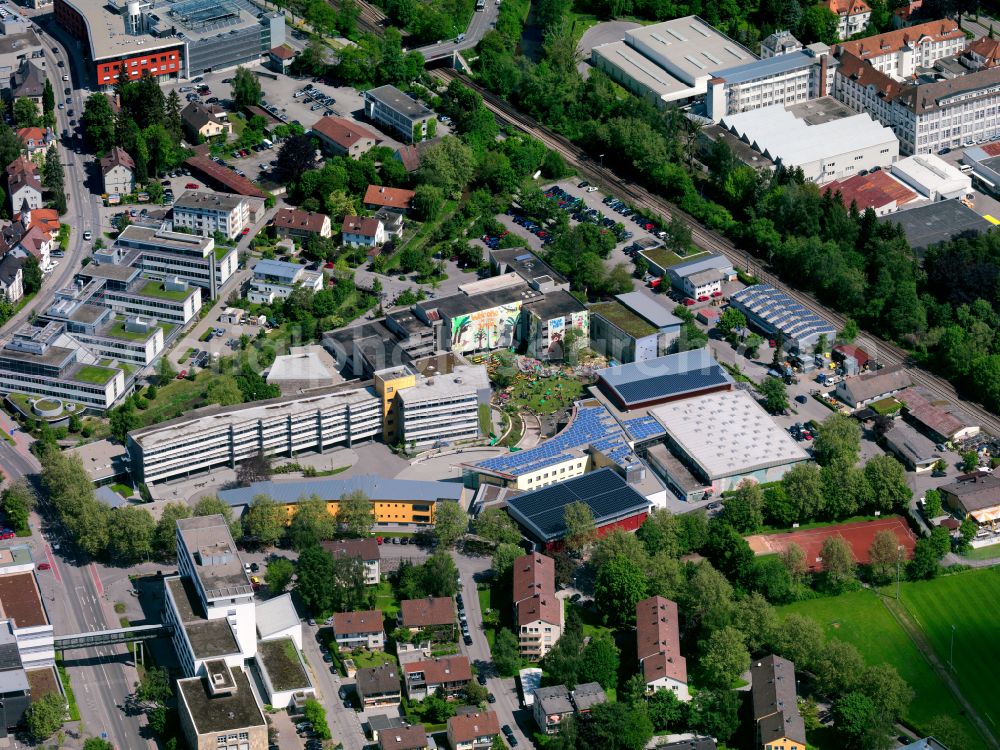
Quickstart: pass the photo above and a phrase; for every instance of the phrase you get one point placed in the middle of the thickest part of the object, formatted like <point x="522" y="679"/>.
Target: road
<point x="482" y="21"/>
<point x="883" y="352"/>
<point x="102" y="678"/>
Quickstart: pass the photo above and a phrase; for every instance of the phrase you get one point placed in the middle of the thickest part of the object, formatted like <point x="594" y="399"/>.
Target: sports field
<point x="858" y="534"/>
<point x="971" y="602"/>
<point x="861" y="619"/>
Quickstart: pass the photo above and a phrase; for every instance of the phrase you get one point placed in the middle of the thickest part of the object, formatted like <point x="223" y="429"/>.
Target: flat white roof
<point x="727" y="433"/>
<point x="779" y="134"/>
<point x="688" y="47"/>
<point x="928" y="173"/>
<point x="644" y="72"/>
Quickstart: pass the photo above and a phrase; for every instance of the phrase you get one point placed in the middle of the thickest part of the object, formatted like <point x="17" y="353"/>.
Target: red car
<point x="688" y="301"/>
<point x="378" y="540"/>
<point x="716" y="294"/>
<point x="8" y="535"/>
<point x="703" y="298"/>
<point x="192" y="186"/>
<point x="246" y="230"/>
<point x="44" y="566"/>
<point x="182" y="374"/>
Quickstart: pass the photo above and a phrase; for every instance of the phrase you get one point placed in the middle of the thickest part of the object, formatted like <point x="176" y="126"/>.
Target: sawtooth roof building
<point x="774" y="312"/>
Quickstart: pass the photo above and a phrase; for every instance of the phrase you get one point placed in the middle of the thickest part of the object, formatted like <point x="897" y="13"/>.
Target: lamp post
<point x="899" y="558"/>
<point x="601" y="157"/>
<point x="951" y="656"/>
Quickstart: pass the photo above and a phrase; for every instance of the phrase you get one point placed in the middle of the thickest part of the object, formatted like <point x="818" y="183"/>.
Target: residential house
<point x="379" y="686"/>
<point x="12" y="277"/>
<point x="449" y="674"/>
<point x="340" y="137"/>
<point x="366" y="549"/>
<point x="872" y="386"/>
<point x="204" y="121"/>
<point x="293" y="222"/>
<point x="364" y="630"/>
<point x="395" y="199"/>
<point x="36" y="139"/>
<point x="775" y="705"/>
<point x="975" y="496"/>
<point x="37" y="243"/>
<point x="915" y="450"/>
<point x="280" y="58"/>
<point x="473" y="731"/>
<point x="46" y="219"/>
<point x="852" y="16"/>
<point x="118" y="171"/>
<point x="586" y="696"/>
<point x="552" y="707"/>
<point x="357" y="231"/>
<point x="540" y="617"/>
<point x="392" y="222"/>
<point x="403" y="738"/>
<point x="29" y="83"/>
<point x="658" y="646"/>
<point x="24" y="186"/>
<point x="421" y="614"/>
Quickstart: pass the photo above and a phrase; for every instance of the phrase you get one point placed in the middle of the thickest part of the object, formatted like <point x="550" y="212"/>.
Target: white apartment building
<point x="926" y="117"/>
<point x="702" y="283"/>
<point x="391" y="109"/>
<point x="49" y="362"/>
<point x="205" y="213"/>
<point x="786" y="78"/>
<point x="900" y="53"/>
<point x="276" y="278"/>
<point x="365" y="630"/>
<point x="443" y="409"/>
<point x="162" y="254"/>
<point x="225" y="436"/>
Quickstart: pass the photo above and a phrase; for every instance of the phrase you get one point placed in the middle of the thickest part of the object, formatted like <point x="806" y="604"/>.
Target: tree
<point x="803" y="486"/>
<point x="32" y="275"/>
<point x="794" y="560"/>
<point x="246" y="89"/>
<point x="154" y="686"/>
<point x="96" y="743"/>
<point x="279" y="574"/>
<point x="356" y="513"/>
<point x="503" y="558"/>
<point x="224" y="391"/>
<point x="970" y="461"/>
<point x="744" y="509"/>
<point x="730" y="553"/>
<point x="618" y="542"/>
<point x="98" y="122"/>
<point x="311" y="523"/>
<point x="837" y="440"/>
<point x="932" y="504"/>
<point x="661" y="532"/>
<point x="315" y="574"/>
<point x="731" y="321"/>
<point x="123" y="420"/>
<point x="45" y="716"/>
<point x="494" y="525"/>
<point x="48" y="98"/>
<point x="850" y="331"/>
<point x="855" y="715"/>
<point x="724" y="657"/>
<point x="665" y="709"/>
<point x="130" y="534"/>
<point x="427" y="201"/>
<point x="450" y="523"/>
<point x="264" y="521"/>
<point x="838" y="667"/>
<point x="53" y="179"/>
<point x="886" y="479"/>
<point x="620" y="585"/>
<point x="966" y="533"/>
<point x="715" y="712"/>
<point x="165" y="371"/>
<point x="581" y="531"/>
<point x="885" y="555"/>
<point x="799" y="639"/>
<point x="506" y="653"/>
<point x="838" y="563"/>
<point x="26" y="114"/>
<point x="315" y="714"/>
<point x="448" y="164"/>
<point x="708" y="597"/>
<point x="297" y="154"/>
<point x="924" y="563"/>
<point x="255" y="468"/>
<point x="615" y="726"/>
<point x="775" y="395"/>
<point x="18" y="500"/>
<point x="599" y="661"/>
<point x="941" y="538"/>
<point x="165" y="536"/>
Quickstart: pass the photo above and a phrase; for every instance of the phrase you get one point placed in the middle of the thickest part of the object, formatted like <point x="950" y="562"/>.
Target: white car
<point x="87" y="235"/>
<point x="592" y="189"/>
<point x="65" y="78"/>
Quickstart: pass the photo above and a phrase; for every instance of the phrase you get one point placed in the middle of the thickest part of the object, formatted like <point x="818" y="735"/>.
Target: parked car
<point x="44" y="566"/>
<point x="801" y="399"/>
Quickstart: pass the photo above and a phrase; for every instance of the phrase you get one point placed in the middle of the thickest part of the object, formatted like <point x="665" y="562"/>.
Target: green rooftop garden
<point x="94" y="374"/>
<point x="282" y="663"/>
<point x="118" y="331"/>
<point x="667" y="258"/>
<point x="221" y="251"/>
<point x="625" y="319"/>
<point x="886" y="406"/>
<point x="157" y="289"/>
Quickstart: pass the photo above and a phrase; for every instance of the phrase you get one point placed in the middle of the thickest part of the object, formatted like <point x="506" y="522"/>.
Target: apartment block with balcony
<point x="274" y="279"/>
<point x="205" y="213"/>
<point x="392" y="110"/>
<point x="227" y="435"/>
<point x="449" y="674"/>
<point x="364" y="630"/>
<point x="539" y="614"/>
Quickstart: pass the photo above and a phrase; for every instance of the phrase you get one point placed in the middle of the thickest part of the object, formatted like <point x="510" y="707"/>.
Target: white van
<point x="965" y="168"/>
<point x="267" y="143"/>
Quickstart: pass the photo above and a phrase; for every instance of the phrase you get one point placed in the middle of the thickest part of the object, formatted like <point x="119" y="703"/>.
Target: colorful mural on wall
<point x="485" y="329"/>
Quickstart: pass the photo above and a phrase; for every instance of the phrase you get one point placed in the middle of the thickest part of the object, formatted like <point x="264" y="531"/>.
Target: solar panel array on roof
<point x="522" y="258"/>
<point x="643" y="428"/>
<point x="607" y="494"/>
<point x="781" y="312"/>
<point x="663" y="377"/>
<point x="591" y="427"/>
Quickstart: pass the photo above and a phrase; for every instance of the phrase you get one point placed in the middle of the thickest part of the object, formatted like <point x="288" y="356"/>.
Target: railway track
<point x="882" y="351"/>
<point x="371" y="18"/>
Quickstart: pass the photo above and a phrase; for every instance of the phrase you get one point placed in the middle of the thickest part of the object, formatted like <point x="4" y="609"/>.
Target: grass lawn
<point x="861" y="619"/>
<point x="969" y="602"/>
<point x="545" y="395"/>
<point x="156" y="289"/>
<point x="485" y="599"/>
<point x="175" y="398"/>
<point x="886" y="406"/>
<point x="119" y="331"/>
<point x="385" y="600"/>
<point x="221" y="251"/>
<point x="94" y="374"/>
<point x="364" y="659"/>
<point x="666" y="258"/>
<point x="984" y="553"/>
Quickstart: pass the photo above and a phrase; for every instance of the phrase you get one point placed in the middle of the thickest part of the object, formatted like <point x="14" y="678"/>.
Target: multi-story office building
<point x="206" y="213"/>
<point x="167" y="255"/>
<point x="172" y="299"/>
<point x="176" y="39"/>
<point x="225" y="436"/>
<point x="48" y="362"/>
<point x="390" y="108"/>
<point x="134" y="339"/>
<point x="273" y="279"/>
<point x="219" y="711"/>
